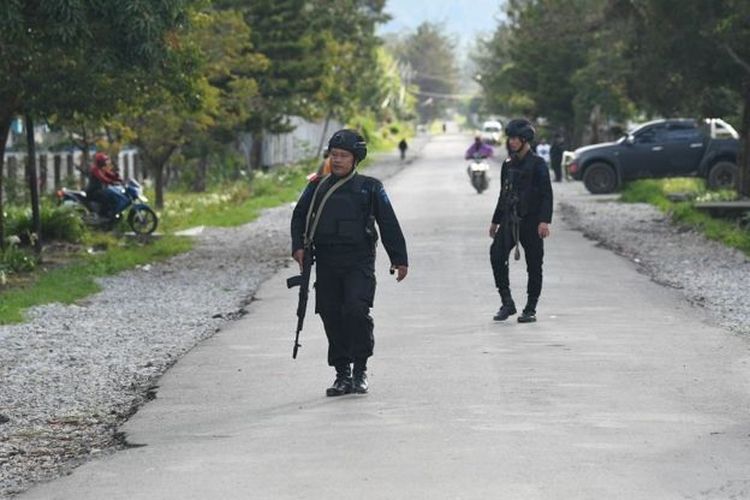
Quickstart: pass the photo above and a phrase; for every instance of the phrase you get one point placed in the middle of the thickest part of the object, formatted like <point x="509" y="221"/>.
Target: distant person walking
<point x="556" y="156"/>
<point x="402" y="147"/>
<point x="543" y="149"/>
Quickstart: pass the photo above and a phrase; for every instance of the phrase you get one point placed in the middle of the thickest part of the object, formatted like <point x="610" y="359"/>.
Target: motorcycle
<point x="141" y="218"/>
<point x="479" y="173"/>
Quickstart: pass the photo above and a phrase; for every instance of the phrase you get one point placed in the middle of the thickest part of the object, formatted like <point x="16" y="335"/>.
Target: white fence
<point x="56" y="168"/>
<point x="59" y="167"/>
<point x="300" y="144"/>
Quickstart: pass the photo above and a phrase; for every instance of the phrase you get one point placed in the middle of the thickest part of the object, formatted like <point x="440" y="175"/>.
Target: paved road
<point x="619" y="391"/>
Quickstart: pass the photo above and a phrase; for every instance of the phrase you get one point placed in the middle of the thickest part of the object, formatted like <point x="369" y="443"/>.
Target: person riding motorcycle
<point x="101" y="176"/>
<point x="479" y="149"/>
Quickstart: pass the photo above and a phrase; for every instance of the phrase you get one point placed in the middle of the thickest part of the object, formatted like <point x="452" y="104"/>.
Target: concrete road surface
<point x="619" y="391"/>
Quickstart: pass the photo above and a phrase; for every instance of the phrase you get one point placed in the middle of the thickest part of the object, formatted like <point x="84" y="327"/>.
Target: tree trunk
<point x="33" y="185"/>
<point x="5" y="122"/>
<point x="199" y="185"/>
<point x="324" y="135"/>
<point x="256" y="154"/>
<point x="744" y="160"/>
<point x="158" y="171"/>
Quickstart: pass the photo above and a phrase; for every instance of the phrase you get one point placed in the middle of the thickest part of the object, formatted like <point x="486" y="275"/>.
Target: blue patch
<point x="384" y="196"/>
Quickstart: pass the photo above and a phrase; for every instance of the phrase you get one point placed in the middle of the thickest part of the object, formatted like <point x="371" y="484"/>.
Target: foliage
<point x="79" y="278"/>
<point x="14" y="259"/>
<point x="586" y="64"/>
<point x="732" y="233"/>
<point x="63" y="57"/>
<point x="551" y="59"/>
<point x="58" y="223"/>
<point x="236" y="203"/>
<point x="430" y="54"/>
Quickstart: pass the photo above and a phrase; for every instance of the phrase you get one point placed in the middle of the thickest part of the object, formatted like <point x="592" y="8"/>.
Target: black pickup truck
<point x="661" y="148"/>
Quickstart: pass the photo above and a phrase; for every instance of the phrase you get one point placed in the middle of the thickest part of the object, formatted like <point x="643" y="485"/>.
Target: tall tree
<point x="431" y="54"/>
<point x="533" y="56"/>
<point x="282" y="31"/>
<point x="230" y="65"/>
<point x="666" y="39"/>
<point x="58" y="57"/>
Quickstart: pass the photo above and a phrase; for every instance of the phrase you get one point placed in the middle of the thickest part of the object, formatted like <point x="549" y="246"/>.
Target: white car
<point x="492" y="132"/>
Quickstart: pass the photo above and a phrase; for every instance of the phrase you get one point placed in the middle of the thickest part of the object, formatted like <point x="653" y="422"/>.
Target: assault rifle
<point x="302" y="280"/>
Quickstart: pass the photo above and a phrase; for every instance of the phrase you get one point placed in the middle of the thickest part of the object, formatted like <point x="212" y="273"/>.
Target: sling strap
<point x="313" y="215"/>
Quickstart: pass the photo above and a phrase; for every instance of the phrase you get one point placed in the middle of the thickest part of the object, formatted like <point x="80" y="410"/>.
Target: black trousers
<point x="533" y="249"/>
<point x="344" y="294"/>
<point x="556" y="165"/>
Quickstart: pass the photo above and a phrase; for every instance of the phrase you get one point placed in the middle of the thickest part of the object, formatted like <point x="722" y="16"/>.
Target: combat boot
<point x="528" y="315"/>
<point x="359" y="381"/>
<point x="507" y="309"/>
<point x="343" y="383"/>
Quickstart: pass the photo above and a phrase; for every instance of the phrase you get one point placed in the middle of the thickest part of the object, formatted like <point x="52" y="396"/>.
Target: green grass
<point x="732" y="233"/>
<point x="223" y="206"/>
<point x="73" y="281"/>
<point x="234" y="204"/>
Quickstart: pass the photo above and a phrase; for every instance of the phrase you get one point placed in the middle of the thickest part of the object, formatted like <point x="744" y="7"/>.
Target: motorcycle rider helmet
<point x="100" y="159"/>
<point x="520" y="128"/>
<point x="349" y="140"/>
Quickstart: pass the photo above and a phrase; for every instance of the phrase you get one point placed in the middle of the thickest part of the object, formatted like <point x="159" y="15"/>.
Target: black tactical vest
<point x="344" y="219"/>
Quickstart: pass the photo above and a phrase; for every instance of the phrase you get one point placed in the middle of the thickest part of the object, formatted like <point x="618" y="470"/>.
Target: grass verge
<point x="75" y="280"/>
<point x="733" y="233"/>
<point x="228" y="205"/>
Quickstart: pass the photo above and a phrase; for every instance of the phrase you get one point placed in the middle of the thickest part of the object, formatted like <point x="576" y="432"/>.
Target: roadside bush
<point x="16" y="260"/>
<point x="58" y="223"/>
<point x="733" y="233"/>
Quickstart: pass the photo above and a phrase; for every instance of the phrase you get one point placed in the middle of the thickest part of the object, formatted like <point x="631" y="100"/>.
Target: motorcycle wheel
<point x="478" y="184"/>
<point x="142" y="220"/>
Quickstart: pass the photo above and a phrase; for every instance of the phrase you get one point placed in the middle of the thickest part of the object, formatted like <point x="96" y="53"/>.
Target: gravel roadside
<point x="73" y="374"/>
<point x="707" y="274"/>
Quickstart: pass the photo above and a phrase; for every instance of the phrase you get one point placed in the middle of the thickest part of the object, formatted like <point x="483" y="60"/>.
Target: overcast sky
<point x="465" y="19"/>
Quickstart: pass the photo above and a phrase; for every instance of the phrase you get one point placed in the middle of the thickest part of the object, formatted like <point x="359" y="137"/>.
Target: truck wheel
<point x="723" y="175"/>
<point x="600" y="178"/>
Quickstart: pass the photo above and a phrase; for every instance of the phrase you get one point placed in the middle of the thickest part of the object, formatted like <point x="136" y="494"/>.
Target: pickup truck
<point x="661" y="148"/>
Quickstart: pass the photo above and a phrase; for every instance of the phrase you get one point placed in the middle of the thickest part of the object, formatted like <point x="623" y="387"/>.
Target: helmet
<point x="349" y="140"/>
<point x="520" y="128"/>
<point x="100" y="159"/>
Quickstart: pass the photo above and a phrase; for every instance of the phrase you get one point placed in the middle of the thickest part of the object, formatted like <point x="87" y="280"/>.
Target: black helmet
<point x="349" y="140"/>
<point x="520" y="128"/>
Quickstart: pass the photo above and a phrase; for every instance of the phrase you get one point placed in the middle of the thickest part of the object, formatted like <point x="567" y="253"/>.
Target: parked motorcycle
<point x="479" y="173"/>
<point x="141" y="218"/>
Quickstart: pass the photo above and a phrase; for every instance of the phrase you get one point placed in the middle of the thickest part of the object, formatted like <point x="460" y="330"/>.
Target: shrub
<point x="16" y="260"/>
<point x="58" y="223"/>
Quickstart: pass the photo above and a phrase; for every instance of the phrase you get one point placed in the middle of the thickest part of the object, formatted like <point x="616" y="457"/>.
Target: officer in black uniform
<point x="522" y="215"/>
<point x="337" y="215"/>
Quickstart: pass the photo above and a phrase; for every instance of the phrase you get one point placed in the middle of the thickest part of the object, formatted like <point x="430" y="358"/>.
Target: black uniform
<point x="344" y="245"/>
<point x="526" y="200"/>
<point x="556" y="151"/>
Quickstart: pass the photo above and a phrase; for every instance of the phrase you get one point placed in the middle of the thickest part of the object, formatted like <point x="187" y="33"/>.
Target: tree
<point x="669" y="81"/>
<point x="431" y="55"/>
<point x="230" y="64"/>
<point x="58" y="57"/>
<point x="533" y="56"/>
<point x="282" y="31"/>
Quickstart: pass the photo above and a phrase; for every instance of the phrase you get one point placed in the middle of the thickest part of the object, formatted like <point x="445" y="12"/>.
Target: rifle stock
<point x="301" y="280"/>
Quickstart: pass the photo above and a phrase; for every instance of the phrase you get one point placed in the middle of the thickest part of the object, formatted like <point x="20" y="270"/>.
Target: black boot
<point x="343" y="383"/>
<point x="529" y="312"/>
<point x="359" y="382"/>
<point x="507" y="309"/>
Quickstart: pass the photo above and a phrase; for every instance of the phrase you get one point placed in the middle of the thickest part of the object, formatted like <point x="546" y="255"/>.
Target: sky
<point x="464" y="19"/>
